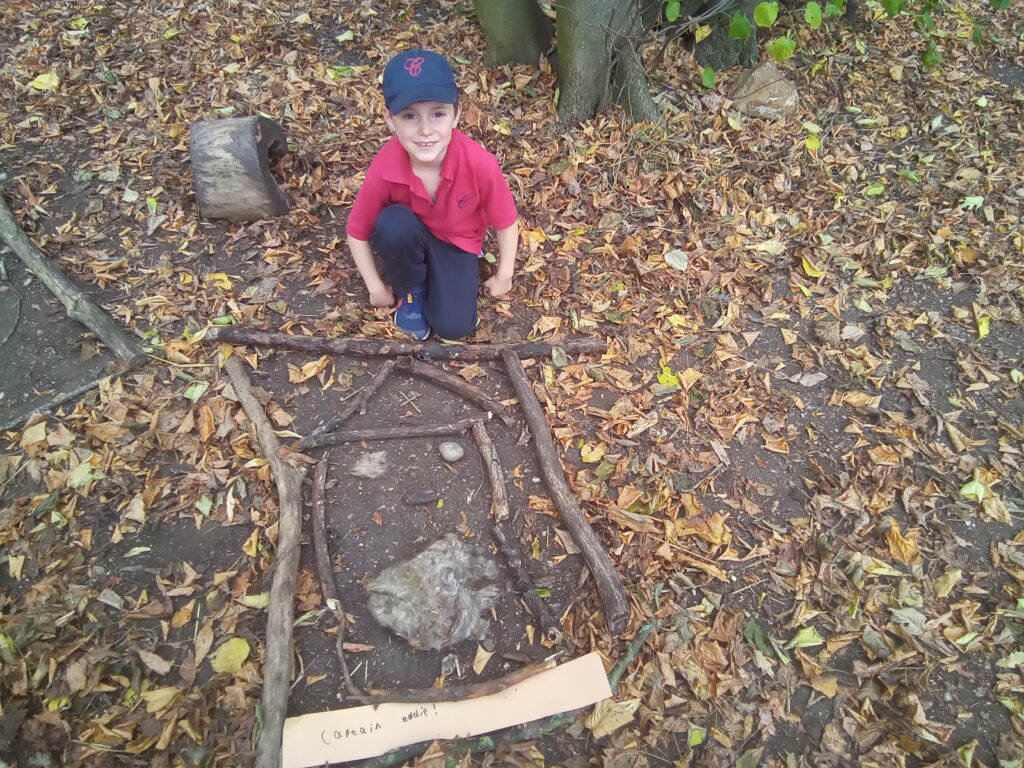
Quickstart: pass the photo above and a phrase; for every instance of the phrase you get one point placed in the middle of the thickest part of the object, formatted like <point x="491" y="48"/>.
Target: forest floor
<point x="802" y="449"/>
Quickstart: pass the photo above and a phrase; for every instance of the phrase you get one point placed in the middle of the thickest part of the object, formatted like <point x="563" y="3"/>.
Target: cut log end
<point x="231" y="168"/>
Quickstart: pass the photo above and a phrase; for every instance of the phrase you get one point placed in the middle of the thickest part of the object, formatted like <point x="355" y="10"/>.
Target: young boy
<point x="429" y="195"/>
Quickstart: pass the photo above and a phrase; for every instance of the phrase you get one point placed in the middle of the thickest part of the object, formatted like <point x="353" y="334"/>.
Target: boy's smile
<point x="424" y="130"/>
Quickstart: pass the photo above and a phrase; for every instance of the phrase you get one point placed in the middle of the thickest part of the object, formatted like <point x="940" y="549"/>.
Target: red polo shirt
<point x="472" y="194"/>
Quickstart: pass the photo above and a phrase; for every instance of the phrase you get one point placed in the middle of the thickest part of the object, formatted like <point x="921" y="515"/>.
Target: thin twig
<point x="353" y="405"/>
<point x="393" y="433"/>
<point x="457" y="385"/>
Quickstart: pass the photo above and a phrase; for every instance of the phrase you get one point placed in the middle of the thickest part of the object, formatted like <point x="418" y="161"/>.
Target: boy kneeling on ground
<point x="429" y="195"/>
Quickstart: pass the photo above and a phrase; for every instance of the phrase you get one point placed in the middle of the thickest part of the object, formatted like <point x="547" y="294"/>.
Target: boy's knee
<point x="395" y="223"/>
<point x="452" y="331"/>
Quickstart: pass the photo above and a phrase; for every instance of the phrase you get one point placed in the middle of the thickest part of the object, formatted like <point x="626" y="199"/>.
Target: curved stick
<point x="457" y="385"/>
<point x="355" y="404"/>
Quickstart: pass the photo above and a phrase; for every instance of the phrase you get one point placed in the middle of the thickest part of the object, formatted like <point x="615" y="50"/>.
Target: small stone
<point x="451" y="451"/>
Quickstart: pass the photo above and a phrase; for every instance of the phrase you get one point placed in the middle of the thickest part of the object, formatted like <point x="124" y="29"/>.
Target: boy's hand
<point x="498" y="285"/>
<point x="382" y="297"/>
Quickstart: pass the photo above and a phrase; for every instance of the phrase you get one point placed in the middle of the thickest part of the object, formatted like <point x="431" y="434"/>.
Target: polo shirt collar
<point x="401" y="172"/>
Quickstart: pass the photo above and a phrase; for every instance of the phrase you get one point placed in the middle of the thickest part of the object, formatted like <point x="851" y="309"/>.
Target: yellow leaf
<point x="689" y="377"/>
<point x="809" y="269"/>
<point x="701" y="32"/>
<point x="983" y="324"/>
<point x="46" y="82"/>
<point x="610" y="715"/>
<point x="14" y="565"/>
<point x="34" y="434"/>
<point x="259" y="601"/>
<point x="666" y="378"/>
<point x="773" y="247"/>
<point x="827" y="686"/>
<point x="230" y="656"/>
<point x="947" y="581"/>
<point x="308" y="371"/>
<point x="183" y="615"/>
<point x="160" y="699"/>
<point x="219" y="280"/>
<point x="903" y="549"/>
<point x="252" y="544"/>
<point x="591" y="454"/>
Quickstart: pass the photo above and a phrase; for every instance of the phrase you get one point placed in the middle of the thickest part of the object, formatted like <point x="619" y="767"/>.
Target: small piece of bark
<point x="613" y="594"/>
<point x="353" y="405"/>
<point x="384" y="348"/>
<point x="76" y="302"/>
<point x="393" y="433"/>
<point x="457" y="385"/>
<point x="326" y="570"/>
<point x="281" y="612"/>
<point x="506" y="538"/>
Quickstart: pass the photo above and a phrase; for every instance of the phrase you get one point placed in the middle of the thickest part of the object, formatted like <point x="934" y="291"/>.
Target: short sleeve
<point x="371" y="198"/>
<point x="495" y="196"/>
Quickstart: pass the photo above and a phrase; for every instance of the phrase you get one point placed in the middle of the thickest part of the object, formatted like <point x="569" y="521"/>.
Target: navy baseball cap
<point x="418" y="75"/>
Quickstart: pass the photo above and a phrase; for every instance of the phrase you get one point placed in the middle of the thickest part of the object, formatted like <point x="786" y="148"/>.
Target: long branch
<point x="385" y="348"/>
<point x="613" y="594"/>
<point x="280" y="615"/>
<point x="392" y="433"/>
<point x="353" y="405"/>
<point x="76" y="302"/>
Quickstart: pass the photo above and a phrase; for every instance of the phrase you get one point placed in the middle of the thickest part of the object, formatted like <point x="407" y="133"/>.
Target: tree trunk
<point x="517" y="31"/>
<point x="720" y="51"/>
<point x="599" y="59"/>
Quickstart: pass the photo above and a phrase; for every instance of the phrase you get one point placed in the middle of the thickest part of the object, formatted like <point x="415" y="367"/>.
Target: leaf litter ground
<point x="802" y="449"/>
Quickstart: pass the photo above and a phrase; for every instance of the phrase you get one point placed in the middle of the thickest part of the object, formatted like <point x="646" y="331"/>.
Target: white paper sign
<point x="362" y="732"/>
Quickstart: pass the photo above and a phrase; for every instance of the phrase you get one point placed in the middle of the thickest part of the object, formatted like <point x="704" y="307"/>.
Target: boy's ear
<point x="389" y="120"/>
<point x="458" y="114"/>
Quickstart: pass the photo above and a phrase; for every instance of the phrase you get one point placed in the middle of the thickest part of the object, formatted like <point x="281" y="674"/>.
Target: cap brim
<point x="445" y="94"/>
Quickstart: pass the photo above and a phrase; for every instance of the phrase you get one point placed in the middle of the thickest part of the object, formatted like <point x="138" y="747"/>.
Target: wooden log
<point x="326" y="570"/>
<point x="457" y="385"/>
<point x="383" y="348"/>
<point x="76" y="302"/>
<point x="506" y="539"/>
<point x="393" y="433"/>
<point x="231" y="168"/>
<point x="277" y="669"/>
<point x="613" y="594"/>
<point x="355" y="404"/>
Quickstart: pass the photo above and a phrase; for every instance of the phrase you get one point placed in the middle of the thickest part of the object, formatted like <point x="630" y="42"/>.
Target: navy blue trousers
<point x="411" y="255"/>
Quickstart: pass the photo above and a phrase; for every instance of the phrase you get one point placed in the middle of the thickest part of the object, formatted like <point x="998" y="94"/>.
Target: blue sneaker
<point x="409" y="315"/>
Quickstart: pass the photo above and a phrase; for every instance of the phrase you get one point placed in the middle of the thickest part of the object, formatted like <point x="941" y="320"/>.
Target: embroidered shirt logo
<point x="414" y="66"/>
<point x="461" y="200"/>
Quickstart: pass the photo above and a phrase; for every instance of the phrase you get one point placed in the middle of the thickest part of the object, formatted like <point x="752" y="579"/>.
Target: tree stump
<point x="231" y="168"/>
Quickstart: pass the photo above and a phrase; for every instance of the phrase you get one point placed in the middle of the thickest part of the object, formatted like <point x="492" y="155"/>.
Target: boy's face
<point x="424" y="130"/>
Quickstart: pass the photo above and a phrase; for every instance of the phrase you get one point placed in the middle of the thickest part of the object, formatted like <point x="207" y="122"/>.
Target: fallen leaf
<point x="230" y="656"/>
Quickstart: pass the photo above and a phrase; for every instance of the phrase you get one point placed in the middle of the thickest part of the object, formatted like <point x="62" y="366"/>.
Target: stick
<point x="326" y="570"/>
<point x="392" y="433"/>
<point x="458" y="692"/>
<point x="353" y="405"/>
<point x="519" y="733"/>
<point x="613" y="595"/>
<point x="280" y="615"/>
<point x="384" y="348"/>
<point x="506" y="539"/>
<point x="77" y="304"/>
<point x="57" y="400"/>
<point x="457" y="385"/>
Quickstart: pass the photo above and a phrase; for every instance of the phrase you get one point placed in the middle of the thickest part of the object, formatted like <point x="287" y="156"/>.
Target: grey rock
<point x="451" y="451"/>
<point x="437" y="598"/>
<point x="765" y="92"/>
<point x="370" y="465"/>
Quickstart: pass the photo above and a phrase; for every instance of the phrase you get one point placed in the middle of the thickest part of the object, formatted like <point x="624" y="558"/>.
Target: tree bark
<point x="599" y="59"/>
<point x="77" y="304"/>
<point x="516" y="31"/>
<point x="383" y="348"/>
<point x="277" y="671"/>
<point x="720" y="51"/>
<point x="613" y="595"/>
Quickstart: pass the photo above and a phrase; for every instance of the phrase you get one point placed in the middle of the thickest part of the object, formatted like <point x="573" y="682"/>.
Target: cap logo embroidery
<point x="414" y="66"/>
